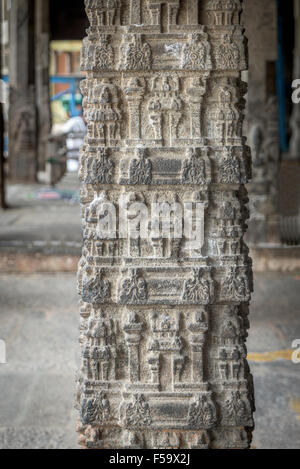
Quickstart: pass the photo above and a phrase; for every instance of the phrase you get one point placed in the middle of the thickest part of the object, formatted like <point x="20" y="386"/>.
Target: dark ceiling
<point x="68" y="19"/>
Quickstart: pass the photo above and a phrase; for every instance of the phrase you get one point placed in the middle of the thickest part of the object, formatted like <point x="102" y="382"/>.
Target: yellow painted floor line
<point x="271" y="356"/>
<point x="295" y="406"/>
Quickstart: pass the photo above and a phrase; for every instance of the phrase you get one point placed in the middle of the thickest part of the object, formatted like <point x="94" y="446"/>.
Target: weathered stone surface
<point x="163" y="325"/>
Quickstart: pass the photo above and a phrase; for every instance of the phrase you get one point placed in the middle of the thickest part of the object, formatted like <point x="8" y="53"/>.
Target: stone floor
<point x="39" y="322"/>
<point x="42" y="220"/>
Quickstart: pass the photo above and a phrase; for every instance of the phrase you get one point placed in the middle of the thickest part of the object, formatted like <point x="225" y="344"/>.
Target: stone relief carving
<point x="223" y="12"/>
<point x="96" y="290"/>
<point x="137" y="412"/>
<point x="140" y="171"/>
<point x="231" y="168"/>
<point x="200" y="288"/>
<point x="135" y="53"/>
<point x="165" y="101"/>
<point x="100" y="170"/>
<point x="228" y="54"/>
<point x="236" y="285"/>
<point x="196" y="54"/>
<point x="133" y="289"/>
<point x="237" y="411"/>
<point x="95" y="410"/>
<point x="196" y="168"/>
<point x="202" y="413"/>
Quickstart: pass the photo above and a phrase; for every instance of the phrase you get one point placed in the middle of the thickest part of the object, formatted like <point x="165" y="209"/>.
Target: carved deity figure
<point x="137" y="413"/>
<point x="135" y="53"/>
<point x="198" y="289"/>
<point x="102" y="340"/>
<point x="237" y="410"/>
<point x="104" y="54"/>
<point x="96" y="290"/>
<point x="232" y="326"/>
<point x="165" y="103"/>
<point x="236" y="286"/>
<point x="100" y="170"/>
<point x="140" y="171"/>
<point x="202" y="413"/>
<point x="104" y="118"/>
<point x="194" y="168"/>
<point x="95" y="410"/>
<point x="196" y="53"/>
<point x="133" y="290"/>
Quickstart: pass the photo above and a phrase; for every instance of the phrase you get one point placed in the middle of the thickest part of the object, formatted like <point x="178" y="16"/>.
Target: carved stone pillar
<point x="22" y="104"/>
<point x="133" y="338"/>
<point x="179" y="299"/>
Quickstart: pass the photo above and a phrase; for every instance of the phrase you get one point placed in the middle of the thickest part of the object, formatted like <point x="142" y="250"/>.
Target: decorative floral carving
<point x="228" y="54"/>
<point x="230" y="169"/>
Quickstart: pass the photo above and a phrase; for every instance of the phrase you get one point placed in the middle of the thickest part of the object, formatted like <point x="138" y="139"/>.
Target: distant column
<point x="22" y="107"/>
<point x="42" y="56"/>
<point x="294" y="152"/>
<point x="2" y="175"/>
<point x="262" y="120"/>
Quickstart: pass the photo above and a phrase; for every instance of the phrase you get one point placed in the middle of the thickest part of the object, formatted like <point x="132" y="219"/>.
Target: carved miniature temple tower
<point x="164" y="324"/>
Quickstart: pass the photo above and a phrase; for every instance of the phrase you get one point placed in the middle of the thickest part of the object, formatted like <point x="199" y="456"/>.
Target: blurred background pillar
<point x="23" y="145"/>
<point x="262" y="128"/>
<point x="294" y="152"/>
<point x="2" y="161"/>
<point x="42" y="57"/>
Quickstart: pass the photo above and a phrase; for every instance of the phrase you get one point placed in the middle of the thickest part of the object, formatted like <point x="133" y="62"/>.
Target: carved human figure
<point x="135" y="53"/>
<point x="196" y="53"/>
<point x="194" y="168"/>
<point x="96" y="290"/>
<point x="100" y="170"/>
<point x="202" y="413"/>
<point x="95" y="410"/>
<point x="104" y="54"/>
<point x="236" y="285"/>
<point x="198" y="289"/>
<point x="140" y="171"/>
<point x="237" y="410"/>
<point x="133" y="289"/>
